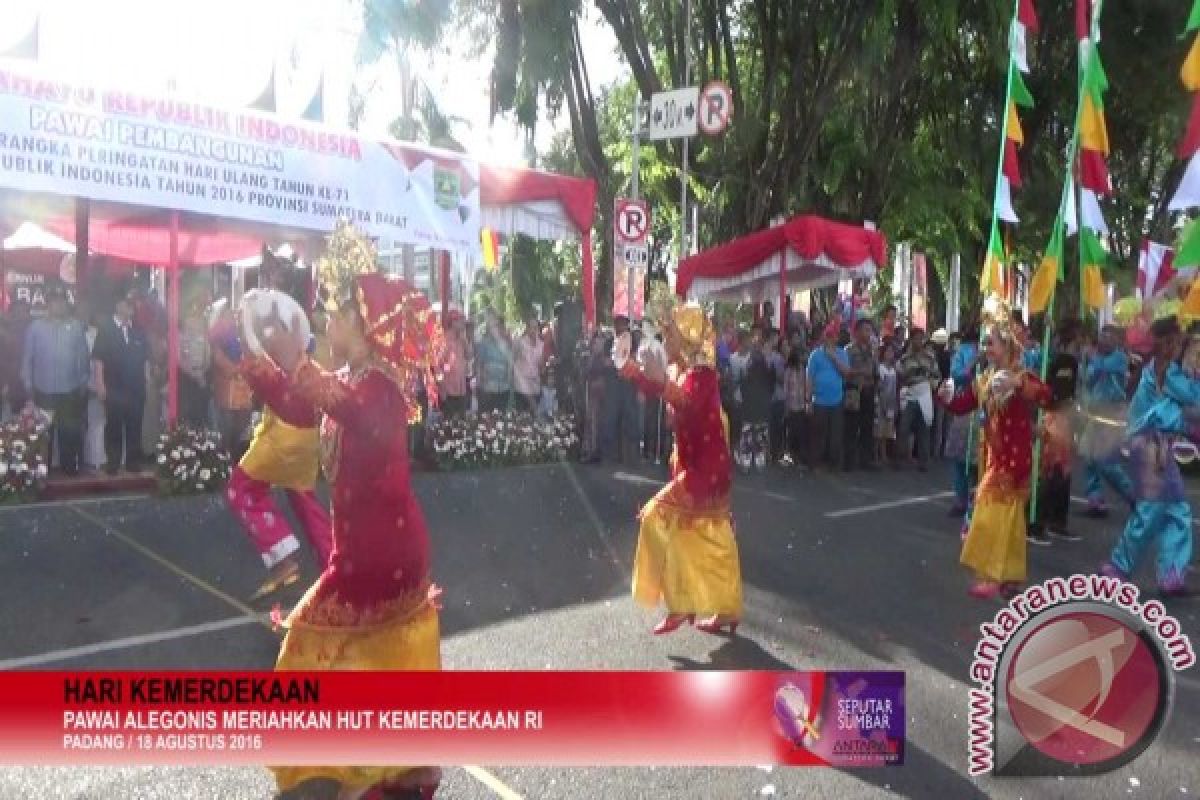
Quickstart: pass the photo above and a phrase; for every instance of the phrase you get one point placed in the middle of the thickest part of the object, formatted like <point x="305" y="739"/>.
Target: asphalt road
<point x="849" y="571"/>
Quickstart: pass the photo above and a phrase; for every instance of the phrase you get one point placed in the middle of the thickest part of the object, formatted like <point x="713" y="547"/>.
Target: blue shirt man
<point x="828" y="386"/>
<point x="55" y="359"/>
<point x="1107" y="372"/>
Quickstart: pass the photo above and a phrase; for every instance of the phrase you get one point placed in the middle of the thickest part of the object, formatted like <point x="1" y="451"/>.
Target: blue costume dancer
<point x="958" y="438"/>
<point x="1161" y="514"/>
<point x="1107" y="376"/>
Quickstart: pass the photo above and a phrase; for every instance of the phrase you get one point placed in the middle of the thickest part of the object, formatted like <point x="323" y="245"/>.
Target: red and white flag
<point x="1155" y="268"/>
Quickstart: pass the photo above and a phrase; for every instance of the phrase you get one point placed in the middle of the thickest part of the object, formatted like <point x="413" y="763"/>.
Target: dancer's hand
<point x="283" y="345"/>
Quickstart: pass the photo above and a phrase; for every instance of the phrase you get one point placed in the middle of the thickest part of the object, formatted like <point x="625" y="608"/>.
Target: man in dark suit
<point x="121" y="351"/>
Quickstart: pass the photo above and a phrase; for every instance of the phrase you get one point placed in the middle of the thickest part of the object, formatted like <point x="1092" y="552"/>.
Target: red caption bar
<point x="487" y="718"/>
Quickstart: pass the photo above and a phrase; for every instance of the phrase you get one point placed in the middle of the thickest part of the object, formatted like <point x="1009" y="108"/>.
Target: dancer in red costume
<point x="283" y="454"/>
<point x="374" y="607"/>
<point x="687" y="556"/>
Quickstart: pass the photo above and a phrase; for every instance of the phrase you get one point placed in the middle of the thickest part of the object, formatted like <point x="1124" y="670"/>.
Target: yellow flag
<point x="993" y="276"/>
<point x="1014" y="125"/>
<point x="1191" y="304"/>
<point x="1092" y="130"/>
<point x="1093" y="286"/>
<point x="1190" y="72"/>
<point x="1042" y="287"/>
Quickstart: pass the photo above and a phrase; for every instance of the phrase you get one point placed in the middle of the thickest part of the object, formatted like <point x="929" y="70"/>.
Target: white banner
<point x="71" y="139"/>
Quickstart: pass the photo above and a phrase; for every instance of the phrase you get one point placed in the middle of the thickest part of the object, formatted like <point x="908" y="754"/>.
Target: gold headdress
<point x="399" y="323"/>
<point x="348" y="255"/>
<point x="696" y="335"/>
<point x="998" y="322"/>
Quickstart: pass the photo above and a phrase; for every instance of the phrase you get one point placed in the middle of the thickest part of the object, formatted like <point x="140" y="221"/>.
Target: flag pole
<point x="985" y="285"/>
<point x="1069" y="188"/>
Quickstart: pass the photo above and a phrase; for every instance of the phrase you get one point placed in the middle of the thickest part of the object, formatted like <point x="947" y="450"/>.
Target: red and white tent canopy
<point x="805" y="252"/>
<point x="543" y="206"/>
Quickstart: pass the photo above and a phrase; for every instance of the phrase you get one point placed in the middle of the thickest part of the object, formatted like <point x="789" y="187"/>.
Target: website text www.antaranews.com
<point x="999" y="631"/>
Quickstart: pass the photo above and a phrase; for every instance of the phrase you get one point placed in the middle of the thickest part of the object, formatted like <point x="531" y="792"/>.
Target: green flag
<point x="1193" y="23"/>
<point x="1093" y="251"/>
<point x="1095" y="81"/>
<point x="1020" y="92"/>
<point x="1189" y="253"/>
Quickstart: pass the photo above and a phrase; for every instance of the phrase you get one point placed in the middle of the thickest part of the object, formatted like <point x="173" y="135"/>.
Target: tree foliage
<point x="882" y="110"/>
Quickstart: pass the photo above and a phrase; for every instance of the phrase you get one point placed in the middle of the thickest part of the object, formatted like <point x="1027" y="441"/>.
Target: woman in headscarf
<point x="687" y="556"/>
<point x="994" y="549"/>
<point x="374" y="606"/>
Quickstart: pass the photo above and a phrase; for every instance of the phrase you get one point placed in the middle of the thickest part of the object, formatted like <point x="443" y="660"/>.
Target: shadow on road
<point x="737" y="653"/>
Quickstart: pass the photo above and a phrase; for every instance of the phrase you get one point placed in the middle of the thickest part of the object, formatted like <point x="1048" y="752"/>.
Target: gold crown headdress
<point x="348" y="255"/>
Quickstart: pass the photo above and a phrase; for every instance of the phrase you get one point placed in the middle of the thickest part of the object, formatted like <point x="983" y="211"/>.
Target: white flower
<point x="205" y="474"/>
<point x="3" y="468"/>
<point x="41" y="471"/>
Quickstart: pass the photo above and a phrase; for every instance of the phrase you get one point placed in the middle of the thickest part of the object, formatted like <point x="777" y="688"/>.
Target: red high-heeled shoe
<point x="716" y="626"/>
<point x="984" y="591"/>
<point x="672" y="623"/>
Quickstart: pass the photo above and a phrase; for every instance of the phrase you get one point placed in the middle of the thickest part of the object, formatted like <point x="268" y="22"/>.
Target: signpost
<point x="673" y="114"/>
<point x="716" y="108"/>
<point x="631" y="256"/>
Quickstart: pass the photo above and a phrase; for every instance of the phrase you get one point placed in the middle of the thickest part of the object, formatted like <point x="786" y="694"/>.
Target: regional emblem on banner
<point x="446" y="189"/>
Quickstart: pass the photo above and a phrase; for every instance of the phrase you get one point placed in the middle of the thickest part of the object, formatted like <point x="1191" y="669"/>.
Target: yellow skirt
<point x="409" y="644"/>
<point x="283" y="455"/>
<point x="687" y="561"/>
<point x="995" y="545"/>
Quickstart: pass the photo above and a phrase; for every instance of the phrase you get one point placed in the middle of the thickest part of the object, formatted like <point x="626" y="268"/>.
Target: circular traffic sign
<point x="633" y="220"/>
<point x="716" y="108"/>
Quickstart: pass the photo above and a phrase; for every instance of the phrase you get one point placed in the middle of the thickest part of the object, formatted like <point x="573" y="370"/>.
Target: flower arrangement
<point x="23" y="452"/>
<point x="190" y="461"/>
<point x="501" y="439"/>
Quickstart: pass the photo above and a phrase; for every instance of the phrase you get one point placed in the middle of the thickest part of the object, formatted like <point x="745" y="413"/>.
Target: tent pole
<point x="783" y="290"/>
<point x="444" y="285"/>
<point x="173" y="324"/>
<point x="82" y="242"/>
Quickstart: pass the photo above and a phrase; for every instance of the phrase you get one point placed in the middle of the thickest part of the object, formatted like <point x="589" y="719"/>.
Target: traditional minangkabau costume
<point x="374" y="607"/>
<point x="994" y="549"/>
<point x="283" y="453"/>
<point x="1104" y="435"/>
<point x="687" y="556"/>
<point x="1161" y="514"/>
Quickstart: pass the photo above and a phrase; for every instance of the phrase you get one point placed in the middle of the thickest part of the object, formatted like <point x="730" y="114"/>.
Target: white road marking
<point x="65" y="654"/>
<point x="78" y="501"/>
<point x="594" y="517"/>
<point x="908" y="501"/>
<point x="642" y="480"/>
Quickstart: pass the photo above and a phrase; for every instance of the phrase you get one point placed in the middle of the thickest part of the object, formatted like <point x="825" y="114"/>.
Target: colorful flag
<point x="1018" y="47"/>
<point x="1193" y="23"/>
<point x="1027" y="15"/>
<point x="1013" y="129"/>
<point x="1020" y="92"/>
<point x="1089" y="211"/>
<point x="1094" y="258"/>
<point x="1188" y="194"/>
<point x="1048" y="273"/>
<point x="1012" y="167"/>
<point x="1190" y="71"/>
<point x="491" y="249"/>
<point x="1093" y="133"/>
<point x="1155" y="268"/>
<point x="993" y="266"/>
<point x="1004" y="205"/>
<point x="1189" y="253"/>
<point x="1083" y="19"/>
<point x="1093" y="172"/>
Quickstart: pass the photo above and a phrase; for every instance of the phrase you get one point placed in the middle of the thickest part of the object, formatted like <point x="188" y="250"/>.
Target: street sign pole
<point x="634" y="189"/>
<point x="687" y="77"/>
